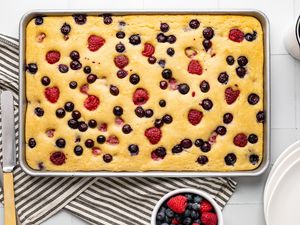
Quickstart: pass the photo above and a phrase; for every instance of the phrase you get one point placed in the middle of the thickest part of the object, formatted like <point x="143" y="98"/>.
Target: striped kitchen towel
<point x="103" y="201"/>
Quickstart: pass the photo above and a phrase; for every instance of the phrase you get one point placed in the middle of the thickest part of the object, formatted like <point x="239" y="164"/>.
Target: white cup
<point x="292" y="39"/>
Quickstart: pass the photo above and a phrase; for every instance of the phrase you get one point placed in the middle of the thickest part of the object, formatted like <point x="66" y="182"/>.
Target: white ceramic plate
<point x="284" y="201"/>
<point x="279" y="165"/>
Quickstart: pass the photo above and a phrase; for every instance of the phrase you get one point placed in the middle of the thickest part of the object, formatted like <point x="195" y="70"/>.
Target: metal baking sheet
<point x="22" y="95"/>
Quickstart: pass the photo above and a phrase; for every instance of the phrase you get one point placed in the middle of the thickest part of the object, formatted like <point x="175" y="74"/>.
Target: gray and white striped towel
<point x="103" y="201"/>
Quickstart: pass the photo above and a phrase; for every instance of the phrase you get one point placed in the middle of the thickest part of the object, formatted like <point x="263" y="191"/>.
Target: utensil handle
<point x="9" y="199"/>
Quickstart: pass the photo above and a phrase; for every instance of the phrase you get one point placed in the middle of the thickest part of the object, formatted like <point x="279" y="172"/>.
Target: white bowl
<point x="187" y="190"/>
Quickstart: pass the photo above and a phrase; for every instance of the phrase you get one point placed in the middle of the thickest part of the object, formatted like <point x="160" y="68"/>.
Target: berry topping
<point x="205" y="206"/>
<point x="240" y="140"/>
<point x="140" y="96"/>
<point x="252" y="138"/>
<point x="113" y="140"/>
<point x="31" y="143"/>
<point x="118" y="111"/>
<point x="61" y="143"/>
<point x="80" y="19"/>
<point x="91" y="78"/>
<point x="162" y="63"/>
<point x="151" y="60"/>
<point x="223" y="78"/>
<point x="153" y="134"/>
<point x="52" y="57"/>
<point x="161" y="38"/>
<point x="75" y="65"/>
<point x="92" y="123"/>
<point x="158" y="123"/>
<point x="101" y="139"/>
<point x="45" y="80"/>
<point x="89" y="143"/>
<point x="134" y="79"/>
<point x="139" y="111"/>
<point x="208" y="33"/>
<point x="107" y="158"/>
<point x="73" y="124"/>
<point x="84" y="88"/>
<point x="87" y="69"/>
<point x="177" y="149"/>
<point x="32" y="68"/>
<point x="164" y="27"/>
<point x="183" y="88"/>
<point x="195" y="67"/>
<point x="206" y="44"/>
<point x="107" y="19"/>
<point x="102" y="127"/>
<point x="231" y="95"/>
<point x="121" y="61"/>
<point x="204" y="86"/>
<point x="162" y="103"/>
<point x="254" y="159"/>
<point x="206" y="104"/>
<point x="50" y="133"/>
<point x="163" y="84"/>
<point x="95" y="42"/>
<point x="171" y="39"/>
<point x="76" y="114"/>
<point x="221" y="130"/>
<point x="170" y="51"/>
<point x="198" y="142"/>
<point x="74" y="55"/>
<point x="148" y="50"/>
<point x="114" y="90"/>
<point x="65" y="29"/>
<point x="202" y="159"/>
<point x="135" y="39"/>
<point x="230" y="159"/>
<point x="91" y="102"/>
<point x="251" y="37"/>
<point x="120" y="34"/>
<point x="133" y="149"/>
<point x="242" y="61"/>
<point x="120" y="47"/>
<point x="148" y="113"/>
<point x="205" y="147"/>
<point x="73" y="84"/>
<point x="58" y="158"/>
<point x="96" y="151"/>
<point x="194" y="24"/>
<point x="69" y="106"/>
<point x="209" y="218"/>
<point x="39" y="20"/>
<point x="230" y="60"/>
<point x="195" y="116"/>
<point x="167" y="74"/>
<point x="236" y="35"/>
<point x="253" y="99"/>
<point x="39" y="111"/>
<point x="241" y="71"/>
<point x="126" y="129"/>
<point x="186" y="143"/>
<point x="52" y="94"/>
<point x="63" y="68"/>
<point x="159" y="153"/>
<point x="177" y="203"/>
<point x="60" y="113"/>
<point x="260" y="117"/>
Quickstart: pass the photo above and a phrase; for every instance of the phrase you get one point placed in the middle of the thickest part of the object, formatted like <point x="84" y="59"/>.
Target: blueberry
<point x="260" y="117"/>
<point x="241" y="71"/>
<point x="223" y="78"/>
<point x="189" y="205"/>
<point x="76" y="114"/>
<point x="254" y="159"/>
<point x="186" y="143"/>
<point x="204" y="86"/>
<point x="189" y="197"/>
<point x="169" y="213"/>
<point x="151" y="59"/>
<point x="91" y="78"/>
<point x="183" y="88"/>
<point x="162" y="103"/>
<point x="32" y="68"/>
<point x="177" y="149"/>
<point x="230" y="159"/>
<point x="161" y="152"/>
<point x="122" y="24"/>
<point x="126" y="129"/>
<point x="74" y="55"/>
<point x="114" y="90"/>
<point x="118" y="111"/>
<point x="101" y="139"/>
<point x="63" y="68"/>
<point x="161" y="38"/>
<point x="69" y="106"/>
<point x="250" y="37"/>
<point x="171" y="39"/>
<point x="197" y="199"/>
<point x="198" y="142"/>
<point x="39" y="20"/>
<point x="78" y="150"/>
<point x="221" y="130"/>
<point x="162" y="63"/>
<point x="194" y="215"/>
<point x="227" y="118"/>
<point x="135" y="39"/>
<point x="73" y="84"/>
<point x="107" y="158"/>
<point x="120" y="34"/>
<point x="206" y="44"/>
<point x="60" y="113"/>
<point x="205" y="147"/>
<point x="164" y="27"/>
<point x="187" y="213"/>
<point x="39" y="111"/>
<point x="195" y="206"/>
<point x="133" y="149"/>
<point x="253" y="138"/>
<point x="82" y="126"/>
<point x="242" y="60"/>
<point x="230" y="60"/>
<point x="107" y="19"/>
<point x="75" y="65"/>
<point x="202" y="159"/>
<point x="206" y="104"/>
<point x="187" y="221"/>
<point x="87" y="69"/>
<point x="92" y="123"/>
<point x="122" y="74"/>
<point x="160" y="216"/>
<point x="61" y="143"/>
<point x="65" y="29"/>
<point x="163" y="84"/>
<point x="139" y="111"/>
<point x="45" y="80"/>
<point x="73" y="124"/>
<point x="148" y="113"/>
<point x="89" y="143"/>
<point x="167" y="74"/>
<point x="194" y="24"/>
<point x="208" y="33"/>
<point x="170" y="51"/>
<point x="253" y="99"/>
<point x="120" y="47"/>
<point x="134" y="79"/>
<point x="31" y="143"/>
<point x="80" y="19"/>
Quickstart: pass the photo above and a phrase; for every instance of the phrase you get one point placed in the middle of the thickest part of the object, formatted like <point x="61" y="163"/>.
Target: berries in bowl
<point x="187" y="206"/>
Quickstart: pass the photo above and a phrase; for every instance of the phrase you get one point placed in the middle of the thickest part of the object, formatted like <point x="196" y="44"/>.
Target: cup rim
<point x="297" y="30"/>
<point x="187" y="190"/>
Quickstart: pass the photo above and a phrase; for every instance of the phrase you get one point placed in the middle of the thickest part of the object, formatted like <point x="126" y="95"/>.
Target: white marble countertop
<point x="245" y="207"/>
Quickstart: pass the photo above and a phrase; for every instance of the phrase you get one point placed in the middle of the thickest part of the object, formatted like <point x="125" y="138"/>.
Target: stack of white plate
<point x="282" y="190"/>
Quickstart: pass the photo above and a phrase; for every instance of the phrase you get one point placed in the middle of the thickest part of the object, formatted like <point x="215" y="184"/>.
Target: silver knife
<point x="9" y="156"/>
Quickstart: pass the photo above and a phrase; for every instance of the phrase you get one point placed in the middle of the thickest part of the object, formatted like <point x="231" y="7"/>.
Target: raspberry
<point x="236" y="35"/>
<point x="175" y="221"/>
<point x="195" y="224"/>
<point x="91" y="102"/>
<point x="209" y="218"/>
<point x="173" y="84"/>
<point x="240" y="140"/>
<point x="153" y="134"/>
<point x="195" y="67"/>
<point x="52" y="94"/>
<point x="102" y="127"/>
<point x="231" y="95"/>
<point x="205" y="206"/>
<point x="84" y="88"/>
<point x="140" y="96"/>
<point x="178" y="203"/>
<point x="148" y="50"/>
<point x="58" y="158"/>
<point x="95" y="42"/>
<point x="113" y="140"/>
<point x="96" y="151"/>
<point x="119" y="121"/>
<point x="121" y="61"/>
<point x="195" y="116"/>
<point x="50" y="133"/>
<point x="52" y="57"/>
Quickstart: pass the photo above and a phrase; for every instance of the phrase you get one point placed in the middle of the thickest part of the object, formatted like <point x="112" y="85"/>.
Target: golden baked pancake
<point x="144" y="92"/>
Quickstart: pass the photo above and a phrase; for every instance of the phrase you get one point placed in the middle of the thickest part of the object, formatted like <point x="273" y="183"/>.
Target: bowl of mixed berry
<point x="187" y="206"/>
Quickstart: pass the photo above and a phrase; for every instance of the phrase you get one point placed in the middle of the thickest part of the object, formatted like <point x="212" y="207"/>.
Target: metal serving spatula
<point x="9" y="156"/>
